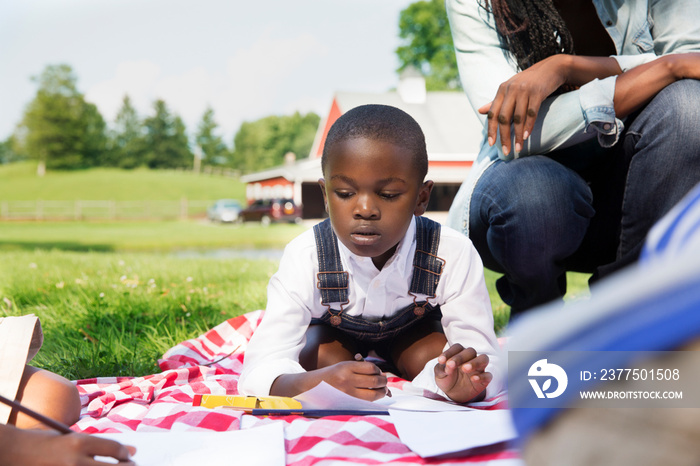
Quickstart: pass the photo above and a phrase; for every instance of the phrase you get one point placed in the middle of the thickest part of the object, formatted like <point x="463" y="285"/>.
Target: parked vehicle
<point x="267" y="211"/>
<point x="224" y="210"/>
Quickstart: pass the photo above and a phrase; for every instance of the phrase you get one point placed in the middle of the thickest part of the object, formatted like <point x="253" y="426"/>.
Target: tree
<point x="59" y="128"/>
<point x="9" y="151"/>
<point x="127" y="142"/>
<point x="166" y="144"/>
<point x="94" y="140"/>
<point x="263" y="143"/>
<point x="214" y="151"/>
<point x="427" y="44"/>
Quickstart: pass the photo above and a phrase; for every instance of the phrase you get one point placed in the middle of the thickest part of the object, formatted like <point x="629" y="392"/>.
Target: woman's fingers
<point x="505" y="117"/>
<point x="530" y="117"/>
<point x="520" y="116"/>
<point x="484" y="109"/>
<point x="494" y="114"/>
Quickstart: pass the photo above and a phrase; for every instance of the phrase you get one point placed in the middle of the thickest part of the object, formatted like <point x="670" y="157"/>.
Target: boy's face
<point x="372" y="190"/>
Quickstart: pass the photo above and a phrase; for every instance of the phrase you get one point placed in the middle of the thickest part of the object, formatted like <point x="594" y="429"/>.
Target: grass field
<point x="18" y="182"/>
<point x="142" y="236"/>
<point x="115" y="314"/>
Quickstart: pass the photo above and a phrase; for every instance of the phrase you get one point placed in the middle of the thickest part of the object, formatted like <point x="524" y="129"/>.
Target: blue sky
<point x="247" y="59"/>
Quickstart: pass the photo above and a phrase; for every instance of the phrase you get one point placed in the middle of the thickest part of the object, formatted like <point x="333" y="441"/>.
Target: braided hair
<point x="531" y="29"/>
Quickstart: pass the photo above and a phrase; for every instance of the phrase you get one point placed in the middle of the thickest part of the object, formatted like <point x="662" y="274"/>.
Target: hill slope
<point x="18" y="182"/>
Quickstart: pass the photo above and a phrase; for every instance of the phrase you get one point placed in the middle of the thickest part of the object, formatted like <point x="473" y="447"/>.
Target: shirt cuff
<point x="596" y="99"/>
<point x="258" y="380"/>
<point x="627" y="62"/>
<point x="426" y="379"/>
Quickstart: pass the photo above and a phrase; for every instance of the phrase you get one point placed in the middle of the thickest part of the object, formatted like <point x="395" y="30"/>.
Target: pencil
<point x="62" y="428"/>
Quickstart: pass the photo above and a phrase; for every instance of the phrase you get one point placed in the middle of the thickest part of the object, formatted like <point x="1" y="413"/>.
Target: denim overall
<point x="332" y="280"/>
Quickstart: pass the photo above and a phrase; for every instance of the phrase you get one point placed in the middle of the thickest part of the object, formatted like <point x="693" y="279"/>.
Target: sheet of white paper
<point x="433" y="434"/>
<point x="324" y="396"/>
<point x="257" y="446"/>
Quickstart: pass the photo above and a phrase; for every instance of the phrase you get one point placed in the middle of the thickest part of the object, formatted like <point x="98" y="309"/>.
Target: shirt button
<point x="608" y="23"/>
<point x="607" y="126"/>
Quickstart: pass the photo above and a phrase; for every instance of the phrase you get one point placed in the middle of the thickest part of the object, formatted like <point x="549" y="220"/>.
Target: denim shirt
<point x="641" y="30"/>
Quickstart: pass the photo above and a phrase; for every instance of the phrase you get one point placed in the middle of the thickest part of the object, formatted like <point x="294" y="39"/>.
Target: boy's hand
<point x="360" y="379"/>
<point x="460" y="373"/>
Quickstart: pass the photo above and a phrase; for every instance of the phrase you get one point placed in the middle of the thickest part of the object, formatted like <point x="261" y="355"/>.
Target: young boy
<point x="375" y="276"/>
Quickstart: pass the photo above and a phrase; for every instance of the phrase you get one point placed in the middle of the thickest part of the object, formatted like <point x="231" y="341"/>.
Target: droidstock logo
<point x="542" y="370"/>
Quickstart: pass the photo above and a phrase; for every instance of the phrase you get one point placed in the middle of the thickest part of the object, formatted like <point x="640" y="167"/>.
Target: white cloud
<point x="320" y="104"/>
<point x="254" y="76"/>
<point x="248" y="89"/>
<point x="136" y="79"/>
<point x="188" y="94"/>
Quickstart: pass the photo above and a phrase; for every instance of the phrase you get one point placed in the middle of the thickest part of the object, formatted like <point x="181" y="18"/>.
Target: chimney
<point x="289" y="158"/>
<point x="411" y="87"/>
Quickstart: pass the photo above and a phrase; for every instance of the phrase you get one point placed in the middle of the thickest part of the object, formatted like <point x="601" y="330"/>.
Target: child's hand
<point x="460" y="373"/>
<point x="39" y="448"/>
<point x="360" y="379"/>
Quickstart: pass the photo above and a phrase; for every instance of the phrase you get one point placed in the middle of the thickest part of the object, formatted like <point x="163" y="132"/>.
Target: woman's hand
<point x="518" y="100"/>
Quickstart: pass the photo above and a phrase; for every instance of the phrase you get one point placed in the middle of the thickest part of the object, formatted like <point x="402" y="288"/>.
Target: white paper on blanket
<point x="325" y="396"/>
<point x="257" y="446"/>
<point x="435" y="434"/>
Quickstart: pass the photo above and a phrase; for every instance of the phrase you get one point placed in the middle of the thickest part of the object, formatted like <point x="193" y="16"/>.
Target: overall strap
<point x="332" y="280"/>
<point x="427" y="266"/>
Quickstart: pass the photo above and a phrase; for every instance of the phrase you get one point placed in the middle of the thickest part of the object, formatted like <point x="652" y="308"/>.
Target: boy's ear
<point x="423" y="197"/>
<point x="322" y="184"/>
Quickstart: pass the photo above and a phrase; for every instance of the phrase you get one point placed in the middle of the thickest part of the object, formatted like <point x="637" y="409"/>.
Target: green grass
<point x="18" y="182"/>
<point x="116" y="314"/>
<point x="142" y="236"/>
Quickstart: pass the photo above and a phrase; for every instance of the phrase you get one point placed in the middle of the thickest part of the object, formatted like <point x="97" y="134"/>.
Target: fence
<point x="102" y="210"/>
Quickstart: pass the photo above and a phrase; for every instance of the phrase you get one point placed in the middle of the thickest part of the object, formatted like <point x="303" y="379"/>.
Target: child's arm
<point x="359" y="379"/>
<point x="460" y="373"/>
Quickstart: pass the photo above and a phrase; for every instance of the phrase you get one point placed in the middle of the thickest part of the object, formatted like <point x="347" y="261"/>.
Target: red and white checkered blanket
<point x="211" y="364"/>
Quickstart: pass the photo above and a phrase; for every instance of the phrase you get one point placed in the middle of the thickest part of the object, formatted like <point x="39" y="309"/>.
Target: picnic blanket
<point x="211" y="364"/>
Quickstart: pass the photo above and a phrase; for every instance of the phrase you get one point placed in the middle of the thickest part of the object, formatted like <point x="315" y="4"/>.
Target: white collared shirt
<point x="293" y="300"/>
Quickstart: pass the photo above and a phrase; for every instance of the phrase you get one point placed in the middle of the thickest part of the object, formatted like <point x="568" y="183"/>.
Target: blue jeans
<point x="585" y="208"/>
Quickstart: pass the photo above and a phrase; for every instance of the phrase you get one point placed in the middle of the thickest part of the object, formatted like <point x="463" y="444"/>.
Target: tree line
<point x="62" y="130"/>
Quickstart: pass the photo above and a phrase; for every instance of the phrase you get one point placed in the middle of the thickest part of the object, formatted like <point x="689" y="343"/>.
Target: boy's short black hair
<point x="380" y="123"/>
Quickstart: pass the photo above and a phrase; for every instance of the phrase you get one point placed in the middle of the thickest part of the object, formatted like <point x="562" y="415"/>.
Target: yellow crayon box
<point x="246" y="403"/>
